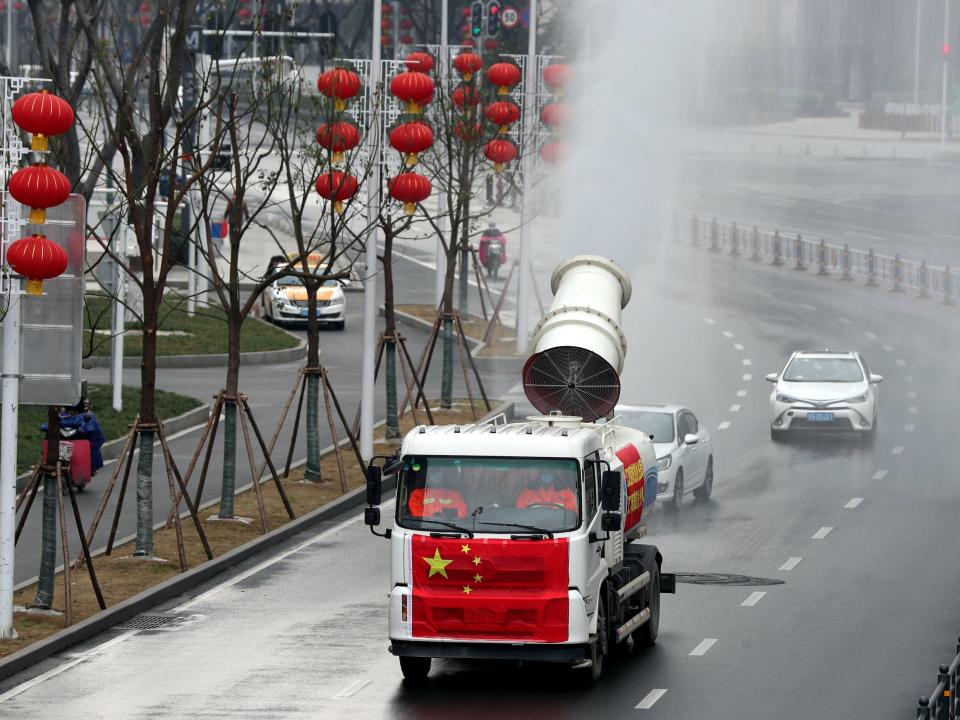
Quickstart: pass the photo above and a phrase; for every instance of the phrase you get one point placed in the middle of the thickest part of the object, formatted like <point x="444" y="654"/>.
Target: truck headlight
<point x="664" y="462"/>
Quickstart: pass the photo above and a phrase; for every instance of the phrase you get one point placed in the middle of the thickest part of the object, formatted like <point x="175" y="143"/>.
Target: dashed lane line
<point x="741" y="393"/>
<point x="908" y="378"/>
<point x="747" y="377"/>
<point x="821" y="533"/>
<point x="710" y="321"/>
<point x="753" y="599"/>
<point x="791" y="563"/>
<point x="871" y="335"/>
<point x="901" y="362"/>
<point x="353" y="688"/>
<point x="747" y="362"/>
<point x="845" y="321"/>
<point x="853" y="503"/>
<point x="727" y="334"/>
<point x="734" y="408"/>
<point x="897" y="450"/>
<point x="724" y="425"/>
<point x="701" y="649"/>
<point x="912" y="395"/>
<point x="888" y="348"/>
<point x="738" y="346"/>
<point x="879" y="474"/>
<point x="908" y="427"/>
<point x="811" y="308"/>
<point x="913" y="410"/>
<point x="651" y="699"/>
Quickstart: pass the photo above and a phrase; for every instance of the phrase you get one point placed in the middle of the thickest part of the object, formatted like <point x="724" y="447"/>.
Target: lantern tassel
<point x="410" y="160"/>
<point x="409" y="208"/>
<point x="467" y="76"/>
<point x="498" y="168"/>
<point x="34" y="286"/>
<point x="339" y="105"/>
<point x="413" y="108"/>
<point x="38" y="216"/>
<point x="40" y="143"/>
<point x="504" y="129"/>
<point x="338" y="207"/>
<point x="337" y="158"/>
<point x="504" y="90"/>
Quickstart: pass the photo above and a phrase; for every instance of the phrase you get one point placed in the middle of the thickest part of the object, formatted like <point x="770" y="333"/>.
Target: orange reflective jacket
<point x="547" y="496"/>
<point x="425" y="502"/>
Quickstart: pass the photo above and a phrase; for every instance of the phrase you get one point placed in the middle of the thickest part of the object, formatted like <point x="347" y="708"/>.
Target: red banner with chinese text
<point x="633" y="469"/>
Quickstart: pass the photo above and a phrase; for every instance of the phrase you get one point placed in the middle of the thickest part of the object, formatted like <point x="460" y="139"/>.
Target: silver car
<point x="684" y="449"/>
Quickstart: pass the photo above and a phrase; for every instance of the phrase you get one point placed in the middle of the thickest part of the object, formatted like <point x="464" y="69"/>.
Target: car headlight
<point x="337" y="300"/>
<point x="785" y="398"/>
<point x="857" y="399"/>
<point x="664" y="462"/>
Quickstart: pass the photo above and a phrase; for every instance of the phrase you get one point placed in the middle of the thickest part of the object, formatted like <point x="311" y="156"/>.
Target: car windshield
<point x="490" y="495"/>
<point x="823" y="369"/>
<point x="288" y="280"/>
<point x="659" y="425"/>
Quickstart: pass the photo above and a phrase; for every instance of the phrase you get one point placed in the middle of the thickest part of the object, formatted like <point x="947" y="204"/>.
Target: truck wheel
<point x="601" y="647"/>
<point x="706" y="487"/>
<point x="645" y="636"/>
<point x="415" y="669"/>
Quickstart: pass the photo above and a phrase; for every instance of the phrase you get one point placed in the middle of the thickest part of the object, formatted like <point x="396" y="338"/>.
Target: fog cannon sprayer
<point x="579" y="346"/>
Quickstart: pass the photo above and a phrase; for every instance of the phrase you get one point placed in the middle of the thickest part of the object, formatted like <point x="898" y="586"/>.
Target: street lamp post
<point x="946" y="74"/>
<point x="526" y="169"/>
<point x="916" y="60"/>
<point x="442" y="70"/>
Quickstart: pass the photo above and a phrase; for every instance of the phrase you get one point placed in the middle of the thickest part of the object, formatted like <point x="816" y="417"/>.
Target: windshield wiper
<point x="452" y="526"/>
<point x="531" y="528"/>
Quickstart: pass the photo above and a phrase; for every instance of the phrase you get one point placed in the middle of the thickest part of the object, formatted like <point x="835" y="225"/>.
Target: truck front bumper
<point x="534" y="652"/>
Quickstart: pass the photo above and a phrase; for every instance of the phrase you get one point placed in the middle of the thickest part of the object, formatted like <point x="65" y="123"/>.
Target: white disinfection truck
<point x="521" y="541"/>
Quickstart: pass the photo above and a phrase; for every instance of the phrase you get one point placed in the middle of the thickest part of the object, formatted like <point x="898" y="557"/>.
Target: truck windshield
<point x="490" y="495"/>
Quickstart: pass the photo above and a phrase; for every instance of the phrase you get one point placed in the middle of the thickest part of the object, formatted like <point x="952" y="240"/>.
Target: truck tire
<point x="601" y="647"/>
<point x="645" y="636"/>
<point x="415" y="669"/>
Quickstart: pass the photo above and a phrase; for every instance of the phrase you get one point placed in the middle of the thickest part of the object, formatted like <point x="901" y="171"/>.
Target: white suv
<point x="824" y="391"/>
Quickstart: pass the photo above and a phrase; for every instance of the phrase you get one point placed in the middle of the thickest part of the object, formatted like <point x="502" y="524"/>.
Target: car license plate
<point x="820" y="416"/>
<point x="304" y="312"/>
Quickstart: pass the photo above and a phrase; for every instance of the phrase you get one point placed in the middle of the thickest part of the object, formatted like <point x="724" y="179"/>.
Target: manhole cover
<point x="148" y="622"/>
<point x="725" y="579"/>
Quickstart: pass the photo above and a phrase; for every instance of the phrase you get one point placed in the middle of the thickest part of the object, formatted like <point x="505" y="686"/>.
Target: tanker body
<point x="523" y="541"/>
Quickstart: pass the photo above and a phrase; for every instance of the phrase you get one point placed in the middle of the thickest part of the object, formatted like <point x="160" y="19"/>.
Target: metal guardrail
<point x="942" y="704"/>
<point x="826" y="259"/>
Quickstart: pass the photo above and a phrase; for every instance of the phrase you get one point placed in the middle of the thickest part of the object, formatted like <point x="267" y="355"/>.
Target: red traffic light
<point x="946" y="48"/>
<point x="494" y="9"/>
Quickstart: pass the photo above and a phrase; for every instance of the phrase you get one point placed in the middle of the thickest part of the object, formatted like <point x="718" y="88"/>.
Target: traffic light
<point x="493" y="18"/>
<point x="476" y="19"/>
<point x="946" y="51"/>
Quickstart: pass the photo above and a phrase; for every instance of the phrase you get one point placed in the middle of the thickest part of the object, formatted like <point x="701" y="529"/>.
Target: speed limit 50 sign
<point x="509" y="17"/>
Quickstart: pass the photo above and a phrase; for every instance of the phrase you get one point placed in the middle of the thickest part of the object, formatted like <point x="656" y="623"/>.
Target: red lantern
<point x="406" y="24"/>
<point x="42" y="114"/>
<point x="555" y="114"/>
<point x="340" y="84"/>
<point x="467" y="12"/>
<point x="467" y="132"/>
<point x="36" y="258"/>
<point x="386" y="40"/>
<point x="503" y="114"/>
<point x="552" y="152"/>
<point x="491" y="44"/>
<point x="467" y="64"/>
<point x="504" y="75"/>
<point x="386" y="9"/>
<point x="419" y="62"/>
<point x="500" y="152"/>
<point x="144" y="21"/>
<point x="464" y="95"/>
<point x="40" y="187"/>
<point x="556" y="77"/>
<point x="414" y="88"/>
<point x="18" y="6"/>
<point x="338" y="186"/>
<point x="406" y="39"/>
<point x="145" y="7"/>
<point x="386" y="24"/>
<point x="409" y="188"/>
<point x="338" y="137"/>
<point x="411" y="138"/>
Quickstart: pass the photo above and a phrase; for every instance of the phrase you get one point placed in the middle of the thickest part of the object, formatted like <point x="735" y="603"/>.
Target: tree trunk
<point x="148" y="414"/>
<point x="465" y="266"/>
<point x="48" y="546"/>
<point x="390" y="332"/>
<point x="446" y="374"/>
<point x="311" y="472"/>
<point x="229" y="484"/>
<point x="144" y="543"/>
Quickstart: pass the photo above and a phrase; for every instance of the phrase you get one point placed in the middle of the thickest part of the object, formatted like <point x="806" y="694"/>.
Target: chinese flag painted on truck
<point x="633" y="469"/>
<point x="490" y="589"/>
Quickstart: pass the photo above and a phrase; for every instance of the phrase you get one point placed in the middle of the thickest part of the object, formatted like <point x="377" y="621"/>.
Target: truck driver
<point x="546" y="491"/>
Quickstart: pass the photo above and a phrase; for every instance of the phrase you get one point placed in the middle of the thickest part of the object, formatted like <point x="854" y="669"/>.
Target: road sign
<point x="509" y="17"/>
<point x="194" y="35"/>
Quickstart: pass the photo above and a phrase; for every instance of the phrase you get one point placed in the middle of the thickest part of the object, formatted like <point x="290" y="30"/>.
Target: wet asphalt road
<point x="850" y="545"/>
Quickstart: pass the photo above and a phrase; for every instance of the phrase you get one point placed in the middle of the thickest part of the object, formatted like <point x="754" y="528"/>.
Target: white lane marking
<point x="897" y="450"/>
<point x="651" y="699"/>
<point x="352" y="688"/>
<point x="724" y="425"/>
<point x="901" y="362"/>
<point x="845" y="321"/>
<point x="821" y="533"/>
<point x="853" y="503"/>
<point x="879" y="474"/>
<point x="741" y="393"/>
<point x="727" y="334"/>
<point x="761" y="293"/>
<point x="913" y="410"/>
<point x="908" y="378"/>
<point x="747" y="377"/>
<point x="870" y="335"/>
<point x="791" y="563"/>
<point x="701" y="649"/>
<point x="912" y="395"/>
<point x="753" y="599"/>
<point x="734" y="408"/>
<point x="747" y="361"/>
<point x="738" y="346"/>
<point x="807" y="307"/>
<point x="94" y="651"/>
<point x="710" y="321"/>
<point x="908" y="427"/>
<point x="888" y="348"/>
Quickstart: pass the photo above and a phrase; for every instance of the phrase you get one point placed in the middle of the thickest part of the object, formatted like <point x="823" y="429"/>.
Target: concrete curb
<point x="112" y="449"/>
<point x="178" y="585"/>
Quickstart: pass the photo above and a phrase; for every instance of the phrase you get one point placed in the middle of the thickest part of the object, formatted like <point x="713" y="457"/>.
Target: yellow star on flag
<point x="467" y="590"/>
<point x="476" y="560"/>
<point x="437" y="564"/>
<point x="478" y="578"/>
<point x="465" y="549"/>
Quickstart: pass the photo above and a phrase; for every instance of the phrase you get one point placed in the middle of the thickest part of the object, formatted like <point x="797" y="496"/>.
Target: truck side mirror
<point x="610" y="490"/>
<point x="371" y="516"/>
<point x="610" y="522"/>
<point x="374" y="485"/>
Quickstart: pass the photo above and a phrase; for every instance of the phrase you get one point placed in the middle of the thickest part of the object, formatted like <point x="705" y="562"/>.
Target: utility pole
<point x="10" y="385"/>
<point x="946" y="74"/>
<point x="442" y="70"/>
<point x="916" y="61"/>
<point x="373" y="240"/>
<point x="526" y="170"/>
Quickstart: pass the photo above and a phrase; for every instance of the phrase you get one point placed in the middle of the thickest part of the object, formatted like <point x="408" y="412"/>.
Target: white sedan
<point x="285" y="301"/>
<point x="684" y="449"/>
<point x="824" y="391"/>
